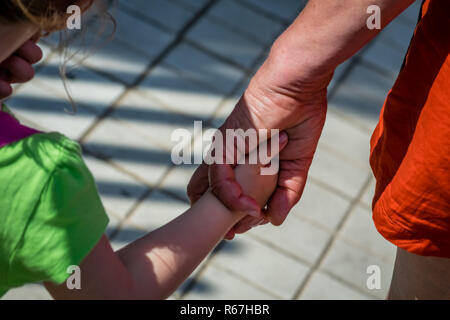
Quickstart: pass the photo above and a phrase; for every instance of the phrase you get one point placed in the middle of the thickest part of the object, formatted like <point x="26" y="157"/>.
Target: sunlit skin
<point x="19" y="51"/>
<point x="287" y="93"/>
<point x="155" y="265"/>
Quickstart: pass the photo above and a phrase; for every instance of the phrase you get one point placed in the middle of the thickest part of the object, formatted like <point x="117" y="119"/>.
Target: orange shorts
<point x="410" y="147"/>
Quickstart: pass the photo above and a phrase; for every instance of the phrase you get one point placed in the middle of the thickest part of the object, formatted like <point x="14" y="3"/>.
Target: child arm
<point x="155" y="265"/>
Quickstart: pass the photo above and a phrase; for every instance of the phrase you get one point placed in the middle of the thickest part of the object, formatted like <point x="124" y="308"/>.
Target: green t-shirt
<point x="50" y="211"/>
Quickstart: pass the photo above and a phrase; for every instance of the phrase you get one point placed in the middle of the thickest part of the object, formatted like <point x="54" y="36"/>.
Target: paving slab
<point x="224" y="42"/>
<point x="49" y="112"/>
<point x="366" y="199"/>
<point x="156" y="210"/>
<point x="398" y="34"/>
<point x="180" y="94"/>
<point x="360" y="231"/>
<point x="133" y="31"/>
<point x="295" y="237"/>
<point x="193" y="4"/>
<point x="28" y="292"/>
<point x="360" y="97"/>
<point x="322" y="286"/>
<point x="411" y="14"/>
<point x="119" y="192"/>
<point x="166" y="13"/>
<point x="205" y="68"/>
<point x="384" y="56"/>
<point x="177" y="180"/>
<point x="321" y="206"/>
<point x="218" y="284"/>
<point x="286" y="9"/>
<point x="86" y="88"/>
<point x="115" y="58"/>
<point x="256" y="263"/>
<point x="152" y="119"/>
<point x="350" y="264"/>
<point x="247" y="21"/>
<point x="345" y="139"/>
<point x="129" y="150"/>
<point x="337" y="172"/>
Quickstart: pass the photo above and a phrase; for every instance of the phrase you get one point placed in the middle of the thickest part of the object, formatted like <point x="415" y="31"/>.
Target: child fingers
<point x="243" y="229"/>
<point x="19" y="69"/>
<point x="230" y="235"/>
<point x="35" y="38"/>
<point x="30" y="51"/>
<point x="5" y="89"/>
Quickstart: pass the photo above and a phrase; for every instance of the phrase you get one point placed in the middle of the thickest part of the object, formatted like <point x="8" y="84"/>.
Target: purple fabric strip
<point x="11" y="130"/>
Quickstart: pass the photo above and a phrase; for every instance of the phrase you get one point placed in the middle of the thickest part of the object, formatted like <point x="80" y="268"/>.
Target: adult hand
<point x="18" y="67"/>
<point x="289" y="93"/>
<point x="277" y="98"/>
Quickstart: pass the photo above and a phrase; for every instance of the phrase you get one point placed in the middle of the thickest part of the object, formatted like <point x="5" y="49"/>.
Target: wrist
<point x="220" y="209"/>
<point x="297" y="67"/>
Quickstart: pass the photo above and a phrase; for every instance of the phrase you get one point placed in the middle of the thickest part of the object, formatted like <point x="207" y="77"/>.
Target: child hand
<point x="259" y="187"/>
<point x="259" y="180"/>
<point x="18" y="67"/>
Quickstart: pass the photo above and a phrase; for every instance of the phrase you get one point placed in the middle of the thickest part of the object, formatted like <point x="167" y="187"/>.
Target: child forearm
<point x="155" y="265"/>
<point x="160" y="261"/>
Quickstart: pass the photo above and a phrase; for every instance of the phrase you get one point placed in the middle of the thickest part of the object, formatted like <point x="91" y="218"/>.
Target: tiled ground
<point x="176" y="61"/>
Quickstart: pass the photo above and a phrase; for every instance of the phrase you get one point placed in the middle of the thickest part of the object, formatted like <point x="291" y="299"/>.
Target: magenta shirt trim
<point x="11" y="130"/>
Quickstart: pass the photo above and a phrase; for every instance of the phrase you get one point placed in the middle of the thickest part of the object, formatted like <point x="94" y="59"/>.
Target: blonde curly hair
<point x="48" y="15"/>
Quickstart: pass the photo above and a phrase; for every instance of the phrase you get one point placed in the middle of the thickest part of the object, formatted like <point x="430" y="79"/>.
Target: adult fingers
<point x="291" y="182"/>
<point x="224" y="186"/>
<point x="282" y="141"/>
<point x="250" y="221"/>
<point x="247" y="223"/>
<point x="198" y="184"/>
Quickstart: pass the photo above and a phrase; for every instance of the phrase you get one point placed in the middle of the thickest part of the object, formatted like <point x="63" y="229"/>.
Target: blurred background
<point x="171" y="62"/>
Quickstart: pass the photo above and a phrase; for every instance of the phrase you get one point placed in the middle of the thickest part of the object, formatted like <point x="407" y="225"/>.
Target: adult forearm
<point x="326" y="33"/>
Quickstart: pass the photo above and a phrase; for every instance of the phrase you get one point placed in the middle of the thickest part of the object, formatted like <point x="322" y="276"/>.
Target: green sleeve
<point x="66" y="224"/>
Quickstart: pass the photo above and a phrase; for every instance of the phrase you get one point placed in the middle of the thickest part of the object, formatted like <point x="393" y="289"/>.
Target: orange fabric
<point x="410" y="147"/>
